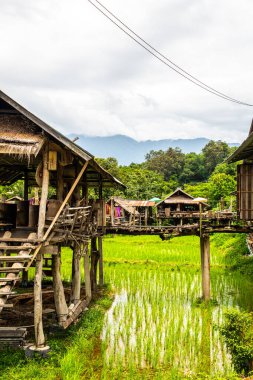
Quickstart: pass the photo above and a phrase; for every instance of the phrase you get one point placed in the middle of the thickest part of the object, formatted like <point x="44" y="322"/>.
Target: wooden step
<point x="2" y="279"/>
<point x="14" y="336"/>
<point x="15" y="259"/>
<point x="16" y="247"/>
<point x="7" y="305"/>
<point x="18" y="240"/>
<point x="7" y="293"/>
<point x="10" y="269"/>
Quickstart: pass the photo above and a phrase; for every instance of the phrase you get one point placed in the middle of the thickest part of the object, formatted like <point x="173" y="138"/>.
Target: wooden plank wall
<point x="245" y="191"/>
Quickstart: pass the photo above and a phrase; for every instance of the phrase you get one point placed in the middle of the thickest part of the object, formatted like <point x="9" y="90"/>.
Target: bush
<point x="238" y="334"/>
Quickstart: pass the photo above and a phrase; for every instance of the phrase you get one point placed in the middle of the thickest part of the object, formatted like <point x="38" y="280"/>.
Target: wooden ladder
<point x="14" y="257"/>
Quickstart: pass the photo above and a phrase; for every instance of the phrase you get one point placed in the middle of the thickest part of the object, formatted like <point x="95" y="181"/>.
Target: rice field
<point x="156" y="327"/>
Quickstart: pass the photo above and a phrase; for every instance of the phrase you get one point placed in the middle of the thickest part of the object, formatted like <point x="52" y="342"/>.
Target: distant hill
<point x="128" y="150"/>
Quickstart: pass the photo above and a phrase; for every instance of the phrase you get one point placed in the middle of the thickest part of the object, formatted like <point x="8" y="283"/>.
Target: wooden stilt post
<point x="94" y="262"/>
<point x="59" y="296"/>
<point x="112" y="212"/>
<point x="205" y="265"/>
<point x="26" y="185"/>
<point x="85" y="190"/>
<point x="101" y="266"/>
<point x="76" y="277"/>
<point x="146" y="216"/>
<point x="87" y="274"/>
<point x="38" y="325"/>
<point x="60" y="183"/>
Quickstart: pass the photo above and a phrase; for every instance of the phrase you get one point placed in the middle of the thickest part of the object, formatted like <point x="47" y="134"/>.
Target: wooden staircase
<point x="14" y="257"/>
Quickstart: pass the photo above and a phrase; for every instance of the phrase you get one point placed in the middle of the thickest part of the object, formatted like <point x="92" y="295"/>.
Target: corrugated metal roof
<point x="137" y="203"/>
<point x="125" y="205"/>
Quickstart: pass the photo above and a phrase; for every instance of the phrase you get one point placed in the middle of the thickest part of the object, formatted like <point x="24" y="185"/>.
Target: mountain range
<point x="127" y="150"/>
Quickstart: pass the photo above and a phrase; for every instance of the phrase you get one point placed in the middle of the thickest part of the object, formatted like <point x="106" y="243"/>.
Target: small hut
<point x="180" y="206"/>
<point x="129" y="211"/>
<point x="34" y="230"/>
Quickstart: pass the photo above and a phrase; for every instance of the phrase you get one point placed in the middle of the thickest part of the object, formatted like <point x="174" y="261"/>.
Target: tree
<point x="221" y="186"/>
<point x="168" y="163"/>
<point x="142" y="183"/>
<point x="193" y="170"/>
<point x="214" y="153"/>
<point x="110" y="164"/>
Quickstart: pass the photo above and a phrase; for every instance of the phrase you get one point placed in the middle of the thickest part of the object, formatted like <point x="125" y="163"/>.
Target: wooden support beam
<point x="76" y="277"/>
<point x="100" y="188"/>
<point x="94" y="262"/>
<point x="59" y="296"/>
<point x="87" y="276"/>
<point x="112" y="212"/>
<point x="60" y="183"/>
<point x="146" y="216"/>
<point x="44" y="194"/>
<point x="205" y="265"/>
<point x="75" y="312"/>
<point x="26" y="185"/>
<point x="101" y="266"/>
<point x="85" y="190"/>
<point x="38" y="324"/>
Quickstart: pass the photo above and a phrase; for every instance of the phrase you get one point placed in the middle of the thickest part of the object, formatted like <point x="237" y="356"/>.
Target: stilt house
<point x="129" y="211"/>
<point x="180" y="205"/>
<point x="33" y="231"/>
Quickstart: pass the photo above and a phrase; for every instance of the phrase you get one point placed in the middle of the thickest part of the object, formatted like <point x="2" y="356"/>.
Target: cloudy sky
<point x="69" y="65"/>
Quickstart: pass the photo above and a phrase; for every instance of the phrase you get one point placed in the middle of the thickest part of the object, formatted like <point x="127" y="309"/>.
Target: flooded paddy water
<point x="156" y="323"/>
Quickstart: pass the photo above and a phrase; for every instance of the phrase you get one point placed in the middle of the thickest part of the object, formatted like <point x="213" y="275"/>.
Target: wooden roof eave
<point x="244" y="151"/>
<point x="106" y="174"/>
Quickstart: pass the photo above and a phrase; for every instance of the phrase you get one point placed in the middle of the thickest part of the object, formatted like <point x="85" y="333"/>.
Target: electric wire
<point x="176" y="68"/>
<point x="162" y="55"/>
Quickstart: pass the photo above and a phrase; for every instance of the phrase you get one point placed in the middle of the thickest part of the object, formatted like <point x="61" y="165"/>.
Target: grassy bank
<point x="75" y="353"/>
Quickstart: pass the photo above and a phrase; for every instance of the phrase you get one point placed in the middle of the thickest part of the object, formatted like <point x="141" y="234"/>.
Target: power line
<point x="162" y="58"/>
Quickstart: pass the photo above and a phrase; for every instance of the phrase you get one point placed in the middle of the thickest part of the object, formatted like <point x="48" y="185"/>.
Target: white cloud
<point x="72" y="67"/>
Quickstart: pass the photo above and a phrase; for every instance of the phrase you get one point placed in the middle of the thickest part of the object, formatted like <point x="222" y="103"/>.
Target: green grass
<point x="75" y="353"/>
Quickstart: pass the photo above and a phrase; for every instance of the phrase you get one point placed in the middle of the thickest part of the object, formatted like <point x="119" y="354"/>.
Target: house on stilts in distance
<point x="180" y="207"/>
<point x="120" y="211"/>
<point x="33" y="231"/>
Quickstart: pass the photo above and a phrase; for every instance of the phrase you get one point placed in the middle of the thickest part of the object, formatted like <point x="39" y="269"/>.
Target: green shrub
<point x="238" y="334"/>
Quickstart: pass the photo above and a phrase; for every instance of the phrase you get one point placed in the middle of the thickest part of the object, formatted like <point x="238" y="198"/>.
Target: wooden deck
<point x="181" y="230"/>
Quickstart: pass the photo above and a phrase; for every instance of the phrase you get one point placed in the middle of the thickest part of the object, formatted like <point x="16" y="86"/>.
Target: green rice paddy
<point x="156" y="326"/>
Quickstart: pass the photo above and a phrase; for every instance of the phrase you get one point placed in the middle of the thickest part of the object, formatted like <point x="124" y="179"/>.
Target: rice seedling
<point x="155" y="323"/>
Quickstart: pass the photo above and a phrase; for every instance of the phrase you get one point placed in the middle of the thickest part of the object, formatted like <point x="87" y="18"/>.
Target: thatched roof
<point x="180" y="196"/>
<point x="22" y="134"/>
<point x="18" y="136"/>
